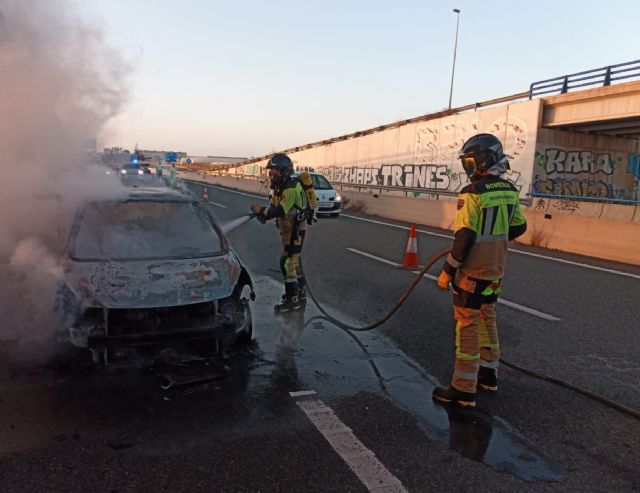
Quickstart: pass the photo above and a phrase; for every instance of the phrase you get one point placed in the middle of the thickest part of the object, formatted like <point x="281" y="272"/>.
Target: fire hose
<point x="403" y="297"/>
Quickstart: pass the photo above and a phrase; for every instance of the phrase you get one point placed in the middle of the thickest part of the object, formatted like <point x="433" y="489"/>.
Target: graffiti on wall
<point x="440" y="145"/>
<point x="427" y="176"/>
<point x="585" y="173"/>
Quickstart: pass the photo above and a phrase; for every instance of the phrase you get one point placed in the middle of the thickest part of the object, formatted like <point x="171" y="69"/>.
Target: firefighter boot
<point x="453" y="396"/>
<point x="488" y="379"/>
<point x="302" y="289"/>
<point x="290" y="301"/>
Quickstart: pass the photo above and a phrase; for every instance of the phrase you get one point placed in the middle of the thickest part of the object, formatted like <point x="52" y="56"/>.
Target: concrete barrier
<point x="604" y="231"/>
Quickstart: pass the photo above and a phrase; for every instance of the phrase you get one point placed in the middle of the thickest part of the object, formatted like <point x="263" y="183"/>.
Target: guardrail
<point x="603" y="76"/>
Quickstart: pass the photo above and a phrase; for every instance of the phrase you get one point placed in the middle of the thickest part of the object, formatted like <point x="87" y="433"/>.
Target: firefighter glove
<point x="261" y="218"/>
<point x="444" y="280"/>
<point x="257" y="209"/>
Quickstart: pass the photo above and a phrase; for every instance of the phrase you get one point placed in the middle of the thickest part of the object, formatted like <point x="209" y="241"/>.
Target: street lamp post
<point x="455" y="48"/>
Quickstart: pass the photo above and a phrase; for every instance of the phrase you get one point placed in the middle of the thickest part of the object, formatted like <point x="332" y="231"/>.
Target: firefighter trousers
<point x="292" y="233"/>
<point x="476" y="332"/>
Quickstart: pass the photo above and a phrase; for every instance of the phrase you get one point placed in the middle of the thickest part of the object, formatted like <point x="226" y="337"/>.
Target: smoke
<point x="59" y="85"/>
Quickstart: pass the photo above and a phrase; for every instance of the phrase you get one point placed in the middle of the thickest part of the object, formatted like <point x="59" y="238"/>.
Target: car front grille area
<point x="139" y="321"/>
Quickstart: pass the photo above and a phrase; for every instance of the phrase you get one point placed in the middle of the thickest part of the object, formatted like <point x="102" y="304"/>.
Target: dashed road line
<point x="219" y="205"/>
<point x="362" y="461"/>
<point x="511" y="304"/>
<point x="522" y="252"/>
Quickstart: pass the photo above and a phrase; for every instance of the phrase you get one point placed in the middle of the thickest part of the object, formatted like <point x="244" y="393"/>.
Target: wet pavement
<point x="233" y="424"/>
<point x="70" y="405"/>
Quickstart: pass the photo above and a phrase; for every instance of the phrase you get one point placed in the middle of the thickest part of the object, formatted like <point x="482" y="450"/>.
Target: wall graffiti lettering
<point x="560" y="161"/>
<point x="575" y="187"/>
<point x="585" y="173"/>
<point x="567" y="205"/>
<point x="440" y="145"/>
<point x="427" y="176"/>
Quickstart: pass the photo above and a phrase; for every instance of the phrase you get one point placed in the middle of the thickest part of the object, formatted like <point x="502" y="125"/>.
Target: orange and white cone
<point x="205" y="194"/>
<point x="411" y="259"/>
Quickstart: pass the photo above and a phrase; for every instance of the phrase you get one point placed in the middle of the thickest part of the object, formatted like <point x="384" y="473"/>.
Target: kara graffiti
<point x="427" y="176"/>
<point x="582" y="173"/>
<point x="554" y="160"/>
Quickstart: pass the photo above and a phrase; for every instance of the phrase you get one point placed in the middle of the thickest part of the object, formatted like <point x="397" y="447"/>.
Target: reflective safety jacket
<point x="287" y="201"/>
<point x="489" y="216"/>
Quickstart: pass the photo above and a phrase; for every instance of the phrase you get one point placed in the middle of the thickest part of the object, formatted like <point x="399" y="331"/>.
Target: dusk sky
<point x="247" y="78"/>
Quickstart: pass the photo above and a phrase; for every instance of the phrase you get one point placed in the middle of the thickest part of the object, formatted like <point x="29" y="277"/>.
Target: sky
<point x="248" y="78"/>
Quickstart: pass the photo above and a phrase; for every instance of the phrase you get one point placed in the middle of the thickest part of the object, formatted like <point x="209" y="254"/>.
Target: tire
<point x="239" y="309"/>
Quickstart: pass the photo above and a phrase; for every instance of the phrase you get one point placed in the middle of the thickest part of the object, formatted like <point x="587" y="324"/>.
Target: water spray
<point x="230" y="226"/>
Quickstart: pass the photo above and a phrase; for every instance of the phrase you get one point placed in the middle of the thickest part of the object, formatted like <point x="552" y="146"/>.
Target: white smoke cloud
<point x="59" y="85"/>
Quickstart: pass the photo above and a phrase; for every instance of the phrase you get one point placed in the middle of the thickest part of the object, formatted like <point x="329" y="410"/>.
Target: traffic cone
<point x="205" y="194"/>
<point x="411" y="259"/>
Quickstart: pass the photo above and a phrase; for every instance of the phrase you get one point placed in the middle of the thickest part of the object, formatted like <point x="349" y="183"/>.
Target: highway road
<point x="312" y="408"/>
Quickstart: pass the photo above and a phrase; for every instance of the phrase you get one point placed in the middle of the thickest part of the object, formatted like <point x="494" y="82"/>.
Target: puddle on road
<point x="285" y="356"/>
<point x="324" y="358"/>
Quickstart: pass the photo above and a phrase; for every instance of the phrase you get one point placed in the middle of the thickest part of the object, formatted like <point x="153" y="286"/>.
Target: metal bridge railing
<point x="603" y="76"/>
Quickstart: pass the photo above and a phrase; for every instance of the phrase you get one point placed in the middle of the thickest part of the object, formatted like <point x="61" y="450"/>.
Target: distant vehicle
<point x="149" y="271"/>
<point x="329" y="200"/>
<point x="131" y="169"/>
<point x="145" y="168"/>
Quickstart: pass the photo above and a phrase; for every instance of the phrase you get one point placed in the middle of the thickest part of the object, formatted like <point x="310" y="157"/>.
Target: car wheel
<point x="239" y="310"/>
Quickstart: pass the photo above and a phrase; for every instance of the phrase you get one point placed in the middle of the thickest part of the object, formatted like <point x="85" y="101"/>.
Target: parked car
<point x="329" y="200"/>
<point x="148" y="271"/>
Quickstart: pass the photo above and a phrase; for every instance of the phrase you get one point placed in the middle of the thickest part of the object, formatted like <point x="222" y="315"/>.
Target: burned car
<point x="149" y="271"/>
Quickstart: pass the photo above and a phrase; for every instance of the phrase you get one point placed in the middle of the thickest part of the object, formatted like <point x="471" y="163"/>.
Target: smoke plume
<point x="59" y="85"/>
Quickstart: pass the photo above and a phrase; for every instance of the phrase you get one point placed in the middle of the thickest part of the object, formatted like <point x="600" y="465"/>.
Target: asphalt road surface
<point x="314" y="408"/>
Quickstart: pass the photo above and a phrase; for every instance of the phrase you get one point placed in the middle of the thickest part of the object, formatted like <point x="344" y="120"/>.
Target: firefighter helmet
<point x="283" y="164"/>
<point x="483" y="154"/>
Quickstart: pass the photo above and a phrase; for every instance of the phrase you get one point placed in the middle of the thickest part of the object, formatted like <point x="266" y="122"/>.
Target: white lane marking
<point x="579" y="264"/>
<point x="440" y="235"/>
<point x="301" y="393"/>
<point x="399" y="226"/>
<point x="219" y="205"/>
<point x="570" y="262"/>
<point x="225" y="189"/>
<point x="526" y="309"/>
<point x="362" y="461"/>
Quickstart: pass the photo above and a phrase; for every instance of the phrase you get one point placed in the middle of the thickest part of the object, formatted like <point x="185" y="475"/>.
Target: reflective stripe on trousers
<point x="476" y="344"/>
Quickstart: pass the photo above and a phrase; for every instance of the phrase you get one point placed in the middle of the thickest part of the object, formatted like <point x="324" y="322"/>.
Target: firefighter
<point x="488" y="217"/>
<point x="288" y="205"/>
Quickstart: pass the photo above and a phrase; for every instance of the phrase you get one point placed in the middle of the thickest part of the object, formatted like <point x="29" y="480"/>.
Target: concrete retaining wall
<point x="606" y="231"/>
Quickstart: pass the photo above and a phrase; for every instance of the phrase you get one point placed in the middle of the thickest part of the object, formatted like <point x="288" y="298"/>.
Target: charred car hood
<point x="152" y="283"/>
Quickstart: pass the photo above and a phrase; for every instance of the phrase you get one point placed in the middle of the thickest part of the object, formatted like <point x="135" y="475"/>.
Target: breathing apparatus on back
<point x="311" y="199"/>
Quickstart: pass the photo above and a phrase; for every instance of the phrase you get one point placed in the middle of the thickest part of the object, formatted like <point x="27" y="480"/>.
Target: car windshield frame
<point x="71" y="244"/>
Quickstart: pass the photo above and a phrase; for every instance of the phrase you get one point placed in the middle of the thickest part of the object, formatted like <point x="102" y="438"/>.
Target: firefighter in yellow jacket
<point x="288" y="207"/>
<point x="488" y="217"/>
